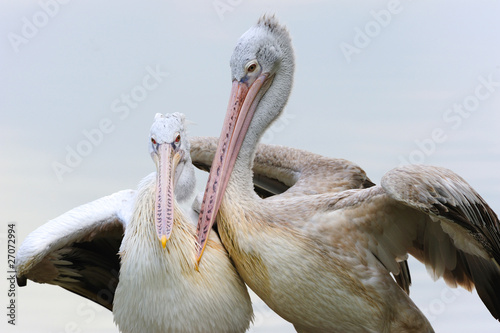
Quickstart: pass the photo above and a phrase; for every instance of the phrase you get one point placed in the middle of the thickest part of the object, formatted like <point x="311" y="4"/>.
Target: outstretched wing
<point x="279" y="169"/>
<point x="79" y="249"/>
<point x="434" y="215"/>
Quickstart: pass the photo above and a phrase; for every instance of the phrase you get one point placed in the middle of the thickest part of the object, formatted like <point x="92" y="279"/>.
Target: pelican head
<point x="262" y="57"/>
<point x="262" y="68"/>
<point x="169" y="148"/>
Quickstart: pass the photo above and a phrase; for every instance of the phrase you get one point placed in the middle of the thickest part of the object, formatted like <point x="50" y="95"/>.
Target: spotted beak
<point x="167" y="161"/>
<point x="242" y="105"/>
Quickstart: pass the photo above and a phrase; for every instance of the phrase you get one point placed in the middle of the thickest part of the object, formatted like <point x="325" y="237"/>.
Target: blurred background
<point x="381" y="83"/>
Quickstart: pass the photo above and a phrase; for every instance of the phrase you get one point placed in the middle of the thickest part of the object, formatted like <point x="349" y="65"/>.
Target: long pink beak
<point x="164" y="204"/>
<point x="240" y="111"/>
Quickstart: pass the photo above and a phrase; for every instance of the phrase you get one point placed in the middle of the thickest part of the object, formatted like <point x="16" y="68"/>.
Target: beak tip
<point x="199" y="254"/>
<point x="163" y="241"/>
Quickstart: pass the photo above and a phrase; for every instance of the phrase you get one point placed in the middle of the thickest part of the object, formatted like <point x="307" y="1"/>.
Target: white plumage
<point x="158" y="288"/>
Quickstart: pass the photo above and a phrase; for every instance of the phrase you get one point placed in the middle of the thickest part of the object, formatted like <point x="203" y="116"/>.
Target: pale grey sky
<point x="377" y="82"/>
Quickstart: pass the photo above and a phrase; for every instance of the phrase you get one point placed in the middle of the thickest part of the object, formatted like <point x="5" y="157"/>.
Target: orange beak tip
<point x="163" y="241"/>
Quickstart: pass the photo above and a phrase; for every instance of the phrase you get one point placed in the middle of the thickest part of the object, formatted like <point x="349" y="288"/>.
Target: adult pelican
<point x="157" y="286"/>
<point x="322" y="261"/>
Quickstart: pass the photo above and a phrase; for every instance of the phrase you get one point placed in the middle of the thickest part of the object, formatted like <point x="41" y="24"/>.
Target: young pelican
<point x="157" y="286"/>
<point x="322" y="260"/>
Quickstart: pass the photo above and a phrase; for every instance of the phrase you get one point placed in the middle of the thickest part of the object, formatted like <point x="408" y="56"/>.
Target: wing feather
<point x="279" y="169"/>
<point x="433" y="214"/>
<point x="79" y="249"/>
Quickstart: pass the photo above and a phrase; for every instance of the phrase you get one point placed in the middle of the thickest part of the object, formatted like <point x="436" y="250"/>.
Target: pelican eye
<point x="177" y="138"/>
<point x="153" y="141"/>
<point x="251" y="68"/>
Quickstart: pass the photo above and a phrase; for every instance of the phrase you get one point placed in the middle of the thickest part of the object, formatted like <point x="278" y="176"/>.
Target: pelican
<point x="157" y="286"/>
<point x="322" y="261"/>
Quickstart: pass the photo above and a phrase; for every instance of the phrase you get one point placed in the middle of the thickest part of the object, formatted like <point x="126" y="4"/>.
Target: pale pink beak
<point x="240" y="111"/>
<point x="164" y="204"/>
